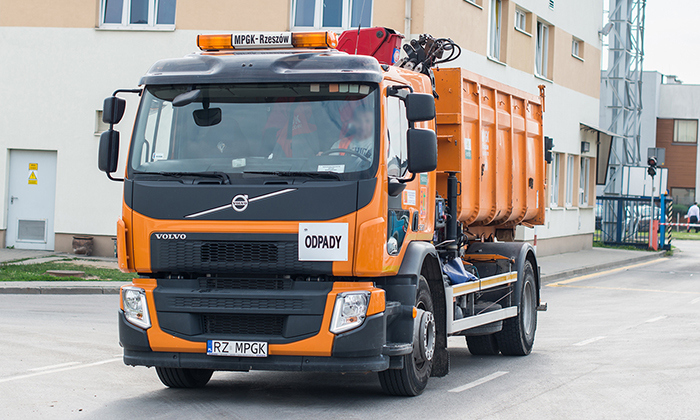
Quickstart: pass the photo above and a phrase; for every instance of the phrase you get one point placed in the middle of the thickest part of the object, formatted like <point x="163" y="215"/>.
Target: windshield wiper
<point x="289" y="174"/>
<point x="223" y="176"/>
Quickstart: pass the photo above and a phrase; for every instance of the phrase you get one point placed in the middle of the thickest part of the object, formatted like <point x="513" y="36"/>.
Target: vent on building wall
<point x="551" y="4"/>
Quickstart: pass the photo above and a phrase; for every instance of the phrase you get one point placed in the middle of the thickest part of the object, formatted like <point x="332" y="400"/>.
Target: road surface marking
<point x="589" y="341"/>
<point x="614" y="270"/>
<point x="694" y="301"/>
<point x="658" y="318"/>
<point x="54" y="366"/>
<point x="631" y="289"/>
<point x="46" y="372"/>
<point x="478" y="382"/>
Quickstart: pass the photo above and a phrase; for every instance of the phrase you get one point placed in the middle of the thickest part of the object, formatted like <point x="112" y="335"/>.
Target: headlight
<point x="350" y="311"/>
<point x="135" y="307"/>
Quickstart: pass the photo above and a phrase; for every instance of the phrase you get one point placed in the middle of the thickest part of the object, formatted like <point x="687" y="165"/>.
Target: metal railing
<point x="626" y="220"/>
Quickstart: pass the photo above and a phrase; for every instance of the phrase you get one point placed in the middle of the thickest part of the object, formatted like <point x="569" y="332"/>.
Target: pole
<point x="651" y="216"/>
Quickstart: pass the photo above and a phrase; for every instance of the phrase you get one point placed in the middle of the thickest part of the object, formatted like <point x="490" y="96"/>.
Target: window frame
<point x="577" y="48"/>
<point x="584" y="182"/>
<point x="495" y="28"/>
<point x="554" y="176"/>
<point x="542" y="49"/>
<point x="346" y="17"/>
<point x="152" y="24"/>
<point x="520" y="14"/>
<point x="569" y="181"/>
<point x="674" y="138"/>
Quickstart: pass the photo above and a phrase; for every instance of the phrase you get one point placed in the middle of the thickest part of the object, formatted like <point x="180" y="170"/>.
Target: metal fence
<point x="626" y="220"/>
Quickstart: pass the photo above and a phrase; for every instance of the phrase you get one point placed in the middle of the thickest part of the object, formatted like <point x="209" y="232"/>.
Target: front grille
<point x="256" y="252"/>
<point x="238" y="303"/>
<point x="212" y="283"/>
<point x="243" y="324"/>
<point x="224" y="256"/>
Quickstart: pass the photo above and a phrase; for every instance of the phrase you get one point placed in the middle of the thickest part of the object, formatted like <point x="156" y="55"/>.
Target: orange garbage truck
<point x="291" y="206"/>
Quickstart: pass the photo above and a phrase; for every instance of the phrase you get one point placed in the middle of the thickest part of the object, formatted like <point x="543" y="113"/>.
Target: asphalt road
<point x="621" y="344"/>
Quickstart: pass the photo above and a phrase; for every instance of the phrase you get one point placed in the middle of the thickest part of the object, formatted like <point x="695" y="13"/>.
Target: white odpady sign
<point x="323" y="241"/>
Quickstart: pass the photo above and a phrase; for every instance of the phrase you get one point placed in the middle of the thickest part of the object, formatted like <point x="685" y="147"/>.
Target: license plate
<point x="237" y="348"/>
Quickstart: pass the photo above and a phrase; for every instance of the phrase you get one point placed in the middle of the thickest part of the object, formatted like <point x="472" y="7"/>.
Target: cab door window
<point x="396" y="127"/>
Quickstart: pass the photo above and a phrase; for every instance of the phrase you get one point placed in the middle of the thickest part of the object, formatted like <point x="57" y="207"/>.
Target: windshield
<point x="257" y="130"/>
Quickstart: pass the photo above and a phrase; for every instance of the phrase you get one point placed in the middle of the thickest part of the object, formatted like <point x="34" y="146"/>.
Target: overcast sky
<point x="672" y="38"/>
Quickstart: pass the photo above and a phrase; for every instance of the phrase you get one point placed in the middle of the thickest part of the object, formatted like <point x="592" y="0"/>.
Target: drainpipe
<point x="407" y="22"/>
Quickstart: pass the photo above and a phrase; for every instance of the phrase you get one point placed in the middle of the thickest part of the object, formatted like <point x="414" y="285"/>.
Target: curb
<point x="60" y="290"/>
<point x="551" y="278"/>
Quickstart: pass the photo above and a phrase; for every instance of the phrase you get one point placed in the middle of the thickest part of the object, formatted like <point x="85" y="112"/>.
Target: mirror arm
<point x="399" y="91"/>
<point x="139" y="91"/>
<point x="405" y="180"/>
<point x="114" y="179"/>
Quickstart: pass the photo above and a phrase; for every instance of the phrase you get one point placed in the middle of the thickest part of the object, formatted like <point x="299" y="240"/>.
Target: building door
<point x="32" y="196"/>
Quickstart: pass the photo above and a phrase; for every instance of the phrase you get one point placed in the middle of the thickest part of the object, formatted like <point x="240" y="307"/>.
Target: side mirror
<point x="207" y="117"/>
<point x="108" y="154"/>
<point x="422" y="150"/>
<point x="113" y="110"/>
<point x="420" y="107"/>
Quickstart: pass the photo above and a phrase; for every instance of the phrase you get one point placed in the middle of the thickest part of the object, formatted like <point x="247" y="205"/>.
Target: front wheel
<point x="518" y="334"/>
<point x="412" y="379"/>
<point x="183" y="378"/>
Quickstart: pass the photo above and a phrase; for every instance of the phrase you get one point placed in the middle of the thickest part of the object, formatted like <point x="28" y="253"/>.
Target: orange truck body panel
<point x="492" y="135"/>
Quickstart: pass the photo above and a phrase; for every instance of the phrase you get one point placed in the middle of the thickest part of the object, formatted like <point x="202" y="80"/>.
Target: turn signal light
<point x="214" y="42"/>
<point x="315" y="40"/>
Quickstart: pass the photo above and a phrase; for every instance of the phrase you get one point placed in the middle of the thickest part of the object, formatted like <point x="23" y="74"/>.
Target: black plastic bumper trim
<point x="275" y="363"/>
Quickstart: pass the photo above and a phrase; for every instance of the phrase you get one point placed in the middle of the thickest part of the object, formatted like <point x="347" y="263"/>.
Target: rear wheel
<point x="483" y="345"/>
<point x="183" y="378"/>
<point x="518" y="334"/>
<point x="412" y="379"/>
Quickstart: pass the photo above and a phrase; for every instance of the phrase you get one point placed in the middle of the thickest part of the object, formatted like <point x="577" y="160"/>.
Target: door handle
<point x="12" y="199"/>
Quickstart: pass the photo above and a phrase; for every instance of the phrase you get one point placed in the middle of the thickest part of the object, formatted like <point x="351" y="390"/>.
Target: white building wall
<point x="49" y="98"/>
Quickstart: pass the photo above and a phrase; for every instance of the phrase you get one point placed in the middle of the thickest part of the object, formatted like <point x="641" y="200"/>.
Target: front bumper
<point x="359" y="350"/>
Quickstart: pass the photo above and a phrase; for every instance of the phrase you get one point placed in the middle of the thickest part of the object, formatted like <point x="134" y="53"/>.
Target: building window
<point x="584" y="177"/>
<point x="333" y="14"/>
<point x="569" y="196"/>
<point x="554" y="176"/>
<point x="542" y="49"/>
<point x="551" y="4"/>
<point x="685" y="131"/>
<point x="495" y="33"/>
<point x="577" y="48"/>
<point x="137" y="14"/>
<point x="520" y="20"/>
<point x="683" y="196"/>
<point x="100" y="126"/>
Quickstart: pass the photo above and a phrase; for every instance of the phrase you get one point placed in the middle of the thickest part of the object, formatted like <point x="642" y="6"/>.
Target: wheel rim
<point x="527" y="308"/>
<point x="425" y="349"/>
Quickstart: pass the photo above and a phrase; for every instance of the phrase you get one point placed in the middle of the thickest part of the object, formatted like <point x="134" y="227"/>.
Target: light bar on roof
<point x="256" y="40"/>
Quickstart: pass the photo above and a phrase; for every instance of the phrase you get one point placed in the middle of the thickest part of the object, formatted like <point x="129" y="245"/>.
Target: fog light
<point x="350" y="311"/>
<point x="135" y="307"/>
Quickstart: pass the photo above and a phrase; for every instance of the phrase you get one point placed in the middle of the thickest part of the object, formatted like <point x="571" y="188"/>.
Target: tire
<point x="518" y="334"/>
<point x="183" y="378"/>
<point x="483" y="345"/>
<point x="412" y="379"/>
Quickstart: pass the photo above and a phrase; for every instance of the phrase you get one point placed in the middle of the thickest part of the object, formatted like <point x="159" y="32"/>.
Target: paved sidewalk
<point x="552" y="268"/>
<point x="570" y="264"/>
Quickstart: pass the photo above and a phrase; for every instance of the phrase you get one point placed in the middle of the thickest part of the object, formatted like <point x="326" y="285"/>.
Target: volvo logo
<point x="240" y="202"/>
<point x="172" y="236"/>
